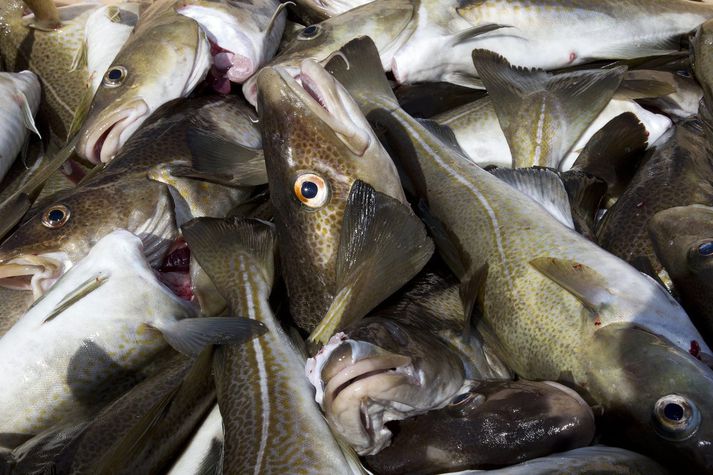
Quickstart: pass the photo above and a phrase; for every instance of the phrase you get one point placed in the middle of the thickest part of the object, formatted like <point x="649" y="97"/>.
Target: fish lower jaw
<point x="37" y="273"/>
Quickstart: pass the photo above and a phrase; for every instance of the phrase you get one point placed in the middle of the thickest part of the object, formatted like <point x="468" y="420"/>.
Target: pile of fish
<point x="353" y="236"/>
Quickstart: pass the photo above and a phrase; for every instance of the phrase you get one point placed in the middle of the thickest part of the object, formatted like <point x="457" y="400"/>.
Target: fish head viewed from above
<point x="166" y="56"/>
<point x="387" y="22"/>
<point x="683" y="241"/>
<point x="658" y="401"/>
<point x="383" y="371"/>
<point x="317" y="144"/>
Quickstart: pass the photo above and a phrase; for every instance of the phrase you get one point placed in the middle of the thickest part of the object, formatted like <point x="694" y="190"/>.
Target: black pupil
<point x="706" y="249"/>
<point x="310" y="30"/>
<point x="114" y="74"/>
<point x="460" y="398"/>
<point x="55" y="216"/>
<point x="673" y="411"/>
<point x="309" y="190"/>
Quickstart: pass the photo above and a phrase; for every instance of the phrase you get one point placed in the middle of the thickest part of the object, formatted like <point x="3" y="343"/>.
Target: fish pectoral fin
<point x="551" y="111"/>
<point x="583" y="282"/>
<point x="475" y="32"/>
<point x="613" y="153"/>
<point x="191" y="335"/>
<point x="358" y="68"/>
<point x="79" y="60"/>
<point x="633" y="50"/>
<point x="644" y="84"/>
<point x="27" y="118"/>
<point x="228" y="162"/>
<point x="543" y="186"/>
<point x="448" y="245"/>
<point x="443" y="133"/>
<point x="470" y="290"/>
<point x="381" y="247"/>
<point x="218" y="243"/>
<point x="84" y="289"/>
<point x="585" y="193"/>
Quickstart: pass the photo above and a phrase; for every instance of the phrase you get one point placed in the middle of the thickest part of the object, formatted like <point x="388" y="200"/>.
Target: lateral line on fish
<point x="479" y="196"/>
<point x="260" y="359"/>
<point x="538" y="135"/>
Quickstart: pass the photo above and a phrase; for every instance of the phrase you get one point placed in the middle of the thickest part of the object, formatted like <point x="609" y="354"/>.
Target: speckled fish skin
<point x="162" y="41"/>
<point x="84" y="355"/>
<point x="387" y="22"/>
<point x="479" y="135"/>
<point x="272" y="424"/>
<point x="17" y="91"/>
<point x="543" y="330"/>
<point x="122" y="196"/>
<point x="50" y="55"/>
<point x="301" y="137"/>
<point x="546" y="34"/>
<point x="680" y="172"/>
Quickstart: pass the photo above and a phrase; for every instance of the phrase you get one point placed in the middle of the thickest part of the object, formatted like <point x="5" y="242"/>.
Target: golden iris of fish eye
<point x="320" y="199"/>
<point x="110" y="81"/>
<point x="55" y="216"/>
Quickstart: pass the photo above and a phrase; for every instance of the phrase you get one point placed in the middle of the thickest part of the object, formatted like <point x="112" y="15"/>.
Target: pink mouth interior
<point x="311" y="88"/>
<point x="175" y="271"/>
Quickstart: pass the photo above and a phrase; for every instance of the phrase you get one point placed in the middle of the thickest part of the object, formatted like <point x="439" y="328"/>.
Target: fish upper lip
<point x="100" y="143"/>
<point x="33" y="272"/>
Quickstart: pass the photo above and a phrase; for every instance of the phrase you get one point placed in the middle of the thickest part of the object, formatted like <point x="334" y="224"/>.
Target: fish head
<point x="656" y="397"/>
<point x="157" y="64"/>
<point x="387" y="22"/>
<point x="381" y="372"/>
<point x="317" y="143"/>
<point x="683" y="239"/>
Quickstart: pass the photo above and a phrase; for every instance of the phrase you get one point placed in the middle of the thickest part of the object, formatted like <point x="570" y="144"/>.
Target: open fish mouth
<point x="34" y="272"/>
<point x="101" y="143"/>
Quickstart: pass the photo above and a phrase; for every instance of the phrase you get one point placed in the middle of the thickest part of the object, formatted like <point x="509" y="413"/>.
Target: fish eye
<point x="310" y="32"/>
<point x="55" y="216"/>
<point x="676" y="417"/>
<point x="114" y="76"/>
<point x="311" y="190"/>
<point x="683" y="73"/>
<point x="706" y="249"/>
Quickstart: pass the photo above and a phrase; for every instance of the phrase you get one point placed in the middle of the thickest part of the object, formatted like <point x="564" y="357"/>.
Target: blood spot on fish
<point x="577" y="267"/>
<point x="572" y="57"/>
<point x="597" y="321"/>
<point x="695" y="349"/>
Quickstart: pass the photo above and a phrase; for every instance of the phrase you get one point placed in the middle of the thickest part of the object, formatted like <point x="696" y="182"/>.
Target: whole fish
<point x="555" y="305"/>
<point x="138" y="80"/>
<point x="61" y="229"/>
<point x="388" y="22"/>
<point x="540" y="34"/>
<point x="682" y="239"/>
<point x="404" y="360"/>
<point x="19" y="100"/>
<point x="103" y="321"/>
<point x="481" y="138"/>
<point x="489" y="426"/>
<point x="271" y="421"/>
<point x="317" y="145"/>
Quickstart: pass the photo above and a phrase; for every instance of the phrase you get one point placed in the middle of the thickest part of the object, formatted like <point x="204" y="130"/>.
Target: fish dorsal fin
<point x="218" y="245"/>
<point x="475" y="33"/>
<point x="612" y="153"/>
<point x="223" y="161"/>
<point x="586" y="284"/>
<point x="543" y="115"/>
<point x="543" y="186"/>
<point x="358" y="68"/>
<point x="381" y="247"/>
<point x="442" y="132"/>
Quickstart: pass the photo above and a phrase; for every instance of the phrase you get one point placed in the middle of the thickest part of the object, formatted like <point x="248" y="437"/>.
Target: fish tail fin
<point x="358" y="68"/>
<point x="382" y="246"/>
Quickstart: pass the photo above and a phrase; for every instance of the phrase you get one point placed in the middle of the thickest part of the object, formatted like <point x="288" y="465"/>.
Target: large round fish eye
<point x="114" y="76"/>
<point x="310" y="32"/>
<point x="706" y="249"/>
<point x="55" y="216"/>
<point x="311" y="190"/>
<point x="676" y="417"/>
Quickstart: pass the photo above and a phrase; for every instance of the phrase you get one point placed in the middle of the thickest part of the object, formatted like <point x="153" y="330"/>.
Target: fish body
<point x="481" y="138"/>
<point x="387" y="22"/>
<point x="560" y="35"/>
<point x="680" y="172"/>
<point x="324" y="9"/>
<point x="86" y="352"/>
<point x="271" y="421"/>
<point x="557" y="306"/>
<point x="19" y="100"/>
